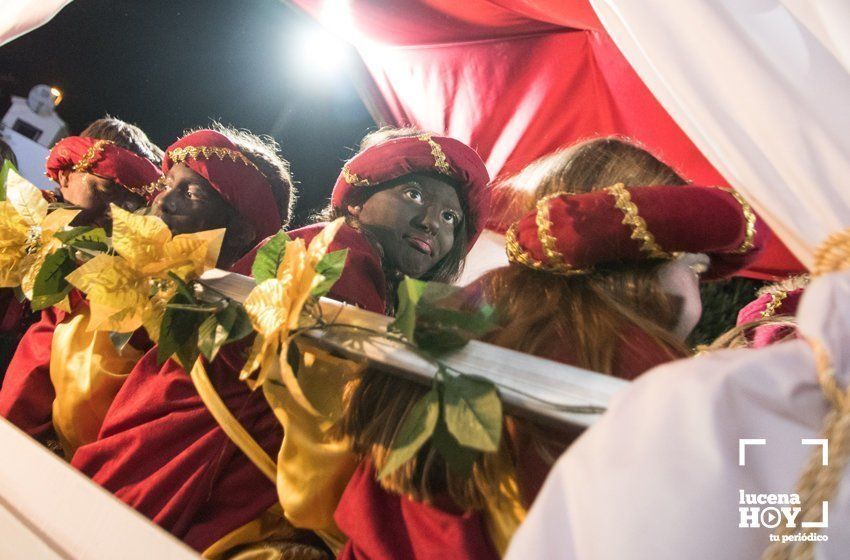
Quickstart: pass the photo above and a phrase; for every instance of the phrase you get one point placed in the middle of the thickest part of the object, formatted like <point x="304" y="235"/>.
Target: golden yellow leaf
<point x="26" y="198"/>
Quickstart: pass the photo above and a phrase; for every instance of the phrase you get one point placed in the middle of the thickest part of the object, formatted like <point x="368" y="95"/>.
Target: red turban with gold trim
<point x="236" y="178"/>
<point x="570" y="234"/>
<point x="104" y="159"/>
<point x="425" y="153"/>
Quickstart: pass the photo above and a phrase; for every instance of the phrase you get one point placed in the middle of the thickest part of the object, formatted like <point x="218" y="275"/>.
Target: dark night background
<point x="171" y="65"/>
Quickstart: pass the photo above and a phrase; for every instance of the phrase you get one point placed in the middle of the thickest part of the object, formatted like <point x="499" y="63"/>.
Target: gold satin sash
<point x="86" y="370"/>
<point x="312" y="468"/>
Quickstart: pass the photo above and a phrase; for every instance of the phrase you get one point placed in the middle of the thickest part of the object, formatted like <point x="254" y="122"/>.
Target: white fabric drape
<point x="22" y="16"/>
<point x="762" y="88"/>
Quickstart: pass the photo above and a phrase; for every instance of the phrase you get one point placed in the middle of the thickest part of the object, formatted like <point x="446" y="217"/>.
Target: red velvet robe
<point x="26" y="397"/>
<point x="380" y="524"/>
<point x="162" y="452"/>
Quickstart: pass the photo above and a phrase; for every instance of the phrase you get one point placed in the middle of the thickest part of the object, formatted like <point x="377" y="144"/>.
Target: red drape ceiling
<point x="516" y="79"/>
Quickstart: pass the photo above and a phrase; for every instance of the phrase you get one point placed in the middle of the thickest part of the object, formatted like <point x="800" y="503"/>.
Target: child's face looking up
<point x="414" y="221"/>
<point x="189" y="203"/>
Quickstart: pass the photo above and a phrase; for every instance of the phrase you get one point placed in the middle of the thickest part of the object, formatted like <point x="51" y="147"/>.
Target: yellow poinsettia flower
<point x="26" y="233"/>
<point x="131" y="289"/>
<point x="274" y="308"/>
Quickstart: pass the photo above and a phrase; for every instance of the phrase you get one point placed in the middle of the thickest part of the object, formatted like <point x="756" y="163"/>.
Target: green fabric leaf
<point x="4" y="174"/>
<point x="211" y="336"/>
<point x="473" y="412"/>
<point x="330" y="267"/>
<point x="443" y="325"/>
<point x="269" y="257"/>
<point x="235" y="321"/>
<point x="50" y="286"/>
<point x="414" y="432"/>
<point x="84" y="237"/>
<point x="228" y="325"/>
<point x="459" y="459"/>
<point x="179" y="331"/>
<point x="183" y="289"/>
<point x="409" y="293"/>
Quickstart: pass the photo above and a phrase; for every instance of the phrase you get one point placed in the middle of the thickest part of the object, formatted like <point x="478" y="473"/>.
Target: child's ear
<point x="354" y="210"/>
<point x="63" y="177"/>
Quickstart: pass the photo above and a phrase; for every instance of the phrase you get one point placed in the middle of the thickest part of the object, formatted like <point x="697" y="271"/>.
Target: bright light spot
<point x="320" y="55"/>
<point x="56" y="93"/>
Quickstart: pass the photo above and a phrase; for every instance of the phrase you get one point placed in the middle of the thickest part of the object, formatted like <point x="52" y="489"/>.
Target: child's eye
<point x="413" y="194"/>
<point x="451" y="217"/>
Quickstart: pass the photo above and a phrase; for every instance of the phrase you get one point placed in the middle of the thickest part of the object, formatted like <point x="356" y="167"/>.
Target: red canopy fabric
<point x="516" y="79"/>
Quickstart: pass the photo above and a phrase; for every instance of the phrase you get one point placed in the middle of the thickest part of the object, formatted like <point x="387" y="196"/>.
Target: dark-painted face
<point x="414" y="221"/>
<point x="94" y="194"/>
<point x="189" y="203"/>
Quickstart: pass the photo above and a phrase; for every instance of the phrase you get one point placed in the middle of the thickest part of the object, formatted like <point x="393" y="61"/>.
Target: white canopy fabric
<point x="22" y="16"/>
<point x="762" y="88"/>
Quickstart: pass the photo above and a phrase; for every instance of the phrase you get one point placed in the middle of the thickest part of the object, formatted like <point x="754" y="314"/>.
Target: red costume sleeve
<point x="26" y="398"/>
<point x="384" y="526"/>
<point x="161" y="451"/>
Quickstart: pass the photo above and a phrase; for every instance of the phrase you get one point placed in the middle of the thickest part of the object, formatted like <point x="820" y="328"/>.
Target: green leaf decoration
<point x="120" y="340"/>
<point x="183" y="289"/>
<point x="211" y="337"/>
<point x="414" y="432"/>
<point x="473" y="412"/>
<point x="433" y="316"/>
<point x="459" y="459"/>
<point x="4" y="173"/>
<point x="269" y="257"/>
<point x="235" y="321"/>
<point x="228" y="325"/>
<point x="330" y="267"/>
<point x="84" y="237"/>
<point x="179" y="331"/>
<point x="50" y="286"/>
<point x="409" y="293"/>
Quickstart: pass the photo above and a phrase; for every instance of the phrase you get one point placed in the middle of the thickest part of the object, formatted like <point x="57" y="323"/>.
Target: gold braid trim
<point x="440" y="162"/>
<point x="631" y="218"/>
<point x="353" y="179"/>
<point x="179" y="155"/>
<point x="776" y="298"/>
<point x="554" y="258"/>
<point x="833" y="254"/>
<point x="750" y="217"/>
<point x="148" y="189"/>
<point x="516" y="254"/>
<point x="87" y="160"/>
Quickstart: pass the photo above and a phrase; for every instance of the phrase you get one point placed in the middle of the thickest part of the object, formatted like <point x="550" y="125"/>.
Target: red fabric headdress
<point x="570" y="234"/>
<point x="425" y="153"/>
<point x="105" y="159"/>
<point x="777" y="299"/>
<point x="236" y="178"/>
